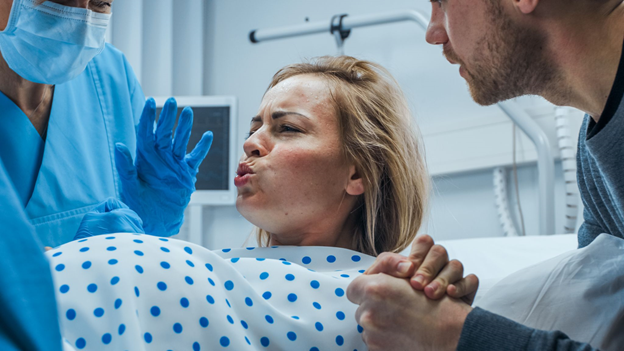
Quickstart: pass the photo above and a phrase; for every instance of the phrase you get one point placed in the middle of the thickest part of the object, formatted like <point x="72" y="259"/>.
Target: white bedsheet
<point x="492" y="259"/>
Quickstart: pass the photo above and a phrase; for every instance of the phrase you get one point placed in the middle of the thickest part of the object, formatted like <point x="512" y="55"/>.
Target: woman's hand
<point x="159" y="184"/>
<point x="429" y="270"/>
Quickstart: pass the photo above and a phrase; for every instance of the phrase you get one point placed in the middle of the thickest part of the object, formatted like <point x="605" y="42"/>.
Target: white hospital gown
<point x="139" y="292"/>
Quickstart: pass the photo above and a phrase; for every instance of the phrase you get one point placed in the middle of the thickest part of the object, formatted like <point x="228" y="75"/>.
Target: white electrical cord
<point x="502" y="203"/>
<point x="568" y="163"/>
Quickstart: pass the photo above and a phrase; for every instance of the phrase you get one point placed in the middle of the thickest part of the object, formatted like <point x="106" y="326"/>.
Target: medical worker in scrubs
<point x="75" y="129"/>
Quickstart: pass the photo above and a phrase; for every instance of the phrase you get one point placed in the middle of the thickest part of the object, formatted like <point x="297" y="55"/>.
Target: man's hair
<point x="375" y="126"/>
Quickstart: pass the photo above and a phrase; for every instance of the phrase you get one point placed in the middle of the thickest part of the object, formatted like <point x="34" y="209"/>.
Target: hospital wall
<point x="462" y="200"/>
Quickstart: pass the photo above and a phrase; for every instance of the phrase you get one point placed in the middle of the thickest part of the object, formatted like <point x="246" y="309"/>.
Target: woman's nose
<point x="436" y="32"/>
<point x="257" y="144"/>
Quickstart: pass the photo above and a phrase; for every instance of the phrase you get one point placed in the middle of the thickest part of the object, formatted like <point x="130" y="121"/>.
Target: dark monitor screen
<point x="214" y="171"/>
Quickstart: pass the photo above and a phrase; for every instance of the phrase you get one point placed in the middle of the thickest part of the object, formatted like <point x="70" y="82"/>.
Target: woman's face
<point x="293" y="180"/>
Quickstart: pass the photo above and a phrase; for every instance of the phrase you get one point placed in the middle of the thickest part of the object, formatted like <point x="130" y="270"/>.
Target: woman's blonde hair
<point x="377" y="137"/>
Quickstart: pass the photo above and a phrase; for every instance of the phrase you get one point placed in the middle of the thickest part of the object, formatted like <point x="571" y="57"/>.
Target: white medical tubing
<point x="158" y="48"/>
<point x="127" y="32"/>
<point x="349" y="22"/>
<point x="502" y="202"/>
<point x="188" y="47"/>
<point x="545" y="164"/>
<point x="567" y="149"/>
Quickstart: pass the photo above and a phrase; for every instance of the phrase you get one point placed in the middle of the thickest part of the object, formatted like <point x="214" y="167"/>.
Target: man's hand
<point x="111" y="216"/>
<point x="394" y="316"/>
<point x="429" y="270"/>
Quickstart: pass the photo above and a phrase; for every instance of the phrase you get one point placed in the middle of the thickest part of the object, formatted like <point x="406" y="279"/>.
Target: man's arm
<point x="487" y="331"/>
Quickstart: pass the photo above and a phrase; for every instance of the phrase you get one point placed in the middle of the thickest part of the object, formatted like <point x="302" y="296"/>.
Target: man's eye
<point x="100" y="3"/>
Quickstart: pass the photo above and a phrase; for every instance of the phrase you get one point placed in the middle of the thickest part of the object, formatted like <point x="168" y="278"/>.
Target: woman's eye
<point x="288" y="129"/>
<point x="248" y="135"/>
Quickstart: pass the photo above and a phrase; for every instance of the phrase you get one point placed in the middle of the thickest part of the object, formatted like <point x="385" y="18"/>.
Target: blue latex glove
<point x="158" y="186"/>
<point x="111" y="216"/>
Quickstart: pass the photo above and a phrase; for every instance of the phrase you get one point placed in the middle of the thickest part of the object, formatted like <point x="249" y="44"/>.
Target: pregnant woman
<point x="332" y="175"/>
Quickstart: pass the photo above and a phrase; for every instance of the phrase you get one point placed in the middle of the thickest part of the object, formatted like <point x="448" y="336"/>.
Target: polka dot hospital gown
<point x="140" y="292"/>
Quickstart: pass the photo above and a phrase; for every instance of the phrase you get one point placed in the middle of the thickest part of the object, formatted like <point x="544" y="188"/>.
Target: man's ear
<point x="526" y="6"/>
<point x="355" y="184"/>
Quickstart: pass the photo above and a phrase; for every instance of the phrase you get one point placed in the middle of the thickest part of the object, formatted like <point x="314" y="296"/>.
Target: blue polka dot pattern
<point x="224" y="341"/>
<point x="106" y="338"/>
<point x="98" y="312"/>
<point x="155" y="311"/>
<point x="229" y="285"/>
<point x="70" y="314"/>
<point x="81" y="343"/>
<point x="264" y="341"/>
<point x="184" y="302"/>
<point x="238" y="283"/>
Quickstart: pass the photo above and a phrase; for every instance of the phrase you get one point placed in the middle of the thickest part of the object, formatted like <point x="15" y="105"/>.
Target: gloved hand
<point x="111" y="216"/>
<point x="159" y="184"/>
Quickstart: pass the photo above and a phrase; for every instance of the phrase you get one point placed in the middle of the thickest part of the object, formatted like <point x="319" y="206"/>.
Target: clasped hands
<point x="417" y="302"/>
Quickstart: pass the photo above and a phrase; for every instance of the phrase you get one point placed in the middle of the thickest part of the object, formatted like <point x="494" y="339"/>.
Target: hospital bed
<point x="492" y="259"/>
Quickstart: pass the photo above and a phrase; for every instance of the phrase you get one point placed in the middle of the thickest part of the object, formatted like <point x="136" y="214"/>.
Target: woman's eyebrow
<point x="276" y="115"/>
<point x="280" y="114"/>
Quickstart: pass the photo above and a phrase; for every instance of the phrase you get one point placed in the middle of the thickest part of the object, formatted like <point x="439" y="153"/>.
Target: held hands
<point x="111" y="216"/>
<point x="159" y="184"/>
<point x="429" y="270"/>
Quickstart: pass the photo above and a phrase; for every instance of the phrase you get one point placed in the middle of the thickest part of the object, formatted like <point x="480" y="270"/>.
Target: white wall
<point x="463" y="203"/>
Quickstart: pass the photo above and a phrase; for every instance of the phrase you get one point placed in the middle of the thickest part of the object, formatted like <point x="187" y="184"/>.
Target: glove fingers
<point x="145" y="131"/>
<point x="164" y="129"/>
<point x="183" y="133"/>
<point x="195" y="158"/>
<point x="123" y="160"/>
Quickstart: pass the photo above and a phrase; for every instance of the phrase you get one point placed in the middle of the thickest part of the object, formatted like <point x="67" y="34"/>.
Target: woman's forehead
<point x="307" y="91"/>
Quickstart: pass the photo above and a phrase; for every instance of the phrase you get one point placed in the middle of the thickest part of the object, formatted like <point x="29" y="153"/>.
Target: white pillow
<point x="580" y="293"/>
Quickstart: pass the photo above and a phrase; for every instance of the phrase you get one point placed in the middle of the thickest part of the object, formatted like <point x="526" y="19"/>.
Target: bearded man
<point x="569" y="52"/>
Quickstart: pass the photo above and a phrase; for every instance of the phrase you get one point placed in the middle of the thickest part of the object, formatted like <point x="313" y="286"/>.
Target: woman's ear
<point x="526" y="6"/>
<point x="355" y="184"/>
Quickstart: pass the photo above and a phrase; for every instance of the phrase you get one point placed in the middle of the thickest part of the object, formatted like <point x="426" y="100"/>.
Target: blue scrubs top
<point x="61" y="179"/>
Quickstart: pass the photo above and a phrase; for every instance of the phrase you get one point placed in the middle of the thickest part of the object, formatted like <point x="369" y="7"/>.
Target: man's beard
<point x="508" y="61"/>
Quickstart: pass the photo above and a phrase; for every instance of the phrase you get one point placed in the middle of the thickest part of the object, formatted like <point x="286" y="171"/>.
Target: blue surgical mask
<point x="51" y="43"/>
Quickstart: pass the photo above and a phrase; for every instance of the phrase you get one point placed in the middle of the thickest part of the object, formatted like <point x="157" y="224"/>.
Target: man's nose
<point x="74" y="3"/>
<point x="436" y="32"/>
